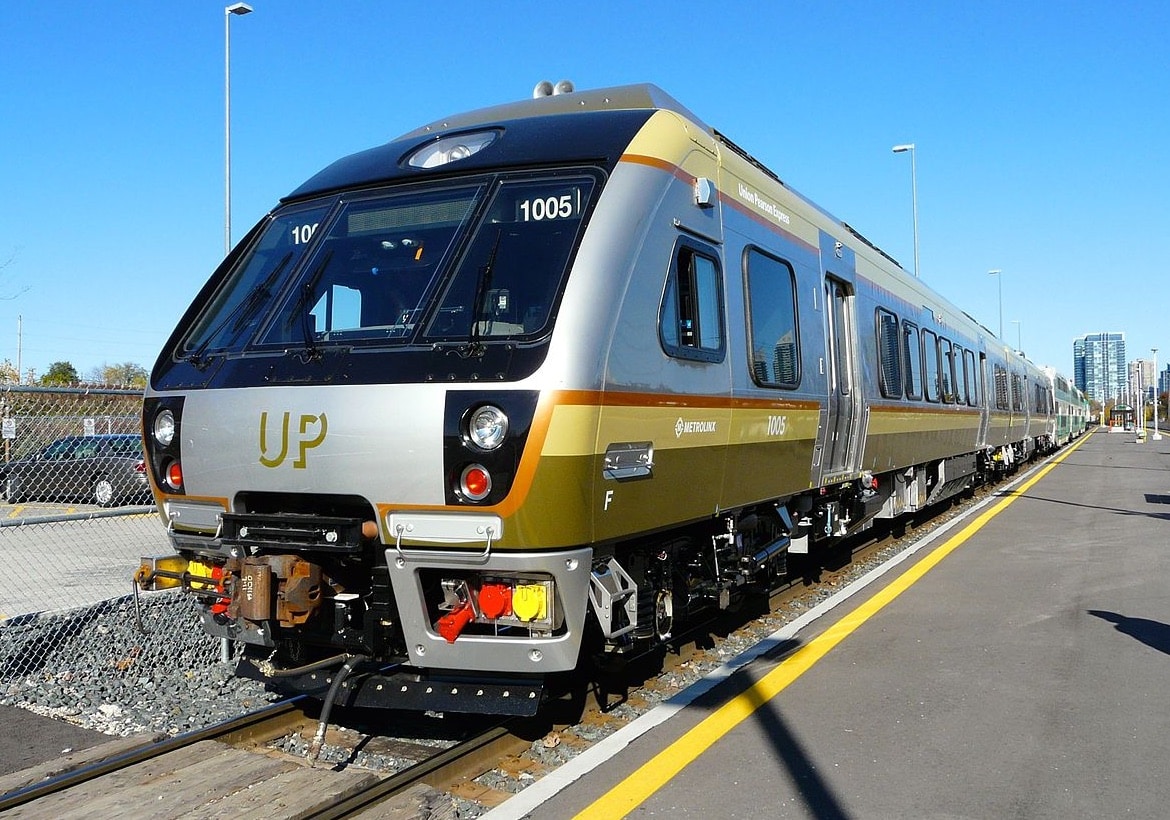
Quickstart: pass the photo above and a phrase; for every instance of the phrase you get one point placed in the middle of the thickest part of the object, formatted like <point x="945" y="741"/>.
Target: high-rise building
<point x="1141" y="380"/>
<point x="1099" y="366"/>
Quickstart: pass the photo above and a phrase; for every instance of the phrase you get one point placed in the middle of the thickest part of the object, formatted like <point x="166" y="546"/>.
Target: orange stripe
<point x="660" y="164"/>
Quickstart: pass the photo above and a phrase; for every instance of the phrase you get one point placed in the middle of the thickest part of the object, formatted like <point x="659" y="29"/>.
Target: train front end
<point x="349" y="432"/>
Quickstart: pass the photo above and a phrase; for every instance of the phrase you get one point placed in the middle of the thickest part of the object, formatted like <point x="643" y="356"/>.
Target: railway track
<point x="236" y="768"/>
<point x="233" y="769"/>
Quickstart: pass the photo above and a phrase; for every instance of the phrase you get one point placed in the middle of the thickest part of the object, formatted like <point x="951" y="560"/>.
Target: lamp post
<point x="237" y="10"/>
<point x="899" y="149"/>
<point x="1157" y="435"/>
<point x="998" y="274"/>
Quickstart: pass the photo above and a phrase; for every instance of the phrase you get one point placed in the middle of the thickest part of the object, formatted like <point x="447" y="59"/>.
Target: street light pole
<point x="238" y="10"/>
<point x="998" y="274"/>
<point x="1157" y="435"/>
<point x="909" y="147"/>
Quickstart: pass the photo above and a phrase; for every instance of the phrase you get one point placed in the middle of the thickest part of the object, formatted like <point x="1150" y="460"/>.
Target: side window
<point x="889" y="362"/>
<point x="690" y="323"/>
<point x="962" y="394"/>
<point x="1017" y="393"/>
<point x="930" y="370"/>
<point x="971" y="376"/>
<point x="86" y="449"/>
<point x="1002" y="399"/>
<point x="771" y="294"/>
<point x="947" y="370"/>
<point x="912" y="371"/>
<point x="983" y="399"/>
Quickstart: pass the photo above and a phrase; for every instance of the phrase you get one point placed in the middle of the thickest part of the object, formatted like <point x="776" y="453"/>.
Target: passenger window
<point x="930" y="370"/>
<point x="890" y="365"/>
<point x="971" y="377"/>
<point x="691" y="320"/>
<point x="1002" y="401"/>
<point x="912" y="372"/>
<point x="946" y="370"/>
<point x="771" y="293"/>
<point x="960" y="364"/>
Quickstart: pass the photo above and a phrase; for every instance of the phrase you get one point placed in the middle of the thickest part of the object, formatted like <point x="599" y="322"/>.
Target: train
<point x="549" y="381"/>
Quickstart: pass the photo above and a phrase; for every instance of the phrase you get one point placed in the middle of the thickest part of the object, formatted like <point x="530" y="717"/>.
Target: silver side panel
<point x="382" y="442"/>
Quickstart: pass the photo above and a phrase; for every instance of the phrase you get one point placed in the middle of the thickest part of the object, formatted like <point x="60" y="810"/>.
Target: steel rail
<point x="67" y="780"/>
<point x="468" y="754"/>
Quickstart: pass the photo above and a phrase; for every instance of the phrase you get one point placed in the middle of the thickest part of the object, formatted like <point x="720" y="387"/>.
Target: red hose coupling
<point x="452" y="624"/>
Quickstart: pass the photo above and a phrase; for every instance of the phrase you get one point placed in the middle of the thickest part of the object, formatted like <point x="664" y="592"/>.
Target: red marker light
<point x="174" y="476"/>
<point x="475" y="482"/>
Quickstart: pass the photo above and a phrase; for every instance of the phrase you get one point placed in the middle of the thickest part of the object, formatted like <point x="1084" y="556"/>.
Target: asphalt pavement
<point x="1016" y="667"/>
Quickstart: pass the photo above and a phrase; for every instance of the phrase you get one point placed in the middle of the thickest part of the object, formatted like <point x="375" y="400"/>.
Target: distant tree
<point x="127" y="374"/>
<point x="8" y="374"/>
<point x="60" y="373"/>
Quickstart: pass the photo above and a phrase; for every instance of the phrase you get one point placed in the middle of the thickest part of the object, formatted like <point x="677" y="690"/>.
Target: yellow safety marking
<point x="659" y="770"/>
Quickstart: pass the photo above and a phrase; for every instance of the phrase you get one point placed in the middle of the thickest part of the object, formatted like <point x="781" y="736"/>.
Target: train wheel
<point x="664" y="614"/>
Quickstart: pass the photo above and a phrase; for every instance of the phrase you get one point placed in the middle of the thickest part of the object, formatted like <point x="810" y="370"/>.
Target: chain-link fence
<point x="75" y="519"/>
<point x="72" y="445"/>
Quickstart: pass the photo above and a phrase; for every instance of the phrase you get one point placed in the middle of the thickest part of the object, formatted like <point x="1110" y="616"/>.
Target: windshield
<point x="370" y="274"/>
<point x="473" y="262"/>
<point x="233" y="309"/>
<point x="510" y="275"/>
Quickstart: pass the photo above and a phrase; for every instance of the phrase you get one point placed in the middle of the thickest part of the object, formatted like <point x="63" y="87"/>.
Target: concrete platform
<point x="1016" y="666"/>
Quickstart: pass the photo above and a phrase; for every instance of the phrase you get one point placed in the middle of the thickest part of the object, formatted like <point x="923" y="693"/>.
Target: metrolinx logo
<point x="682" y="426"/>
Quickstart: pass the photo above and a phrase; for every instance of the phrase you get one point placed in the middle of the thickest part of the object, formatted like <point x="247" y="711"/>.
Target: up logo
<point x="311" y="433"/>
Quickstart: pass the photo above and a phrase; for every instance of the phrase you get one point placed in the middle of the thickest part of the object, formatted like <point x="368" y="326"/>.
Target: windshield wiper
<point x="241" y="313"/>
<point x="300" y="308"/>
<point x="483" y="285"/>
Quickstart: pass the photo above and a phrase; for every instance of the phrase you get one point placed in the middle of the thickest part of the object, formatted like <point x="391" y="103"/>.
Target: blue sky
<point x="1041" y="132"/>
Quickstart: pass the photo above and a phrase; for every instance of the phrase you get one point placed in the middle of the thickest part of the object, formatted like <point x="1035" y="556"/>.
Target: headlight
<point x="450" y="149"/>
<point x="487" y="427"/>
<point x="164" y="428"/>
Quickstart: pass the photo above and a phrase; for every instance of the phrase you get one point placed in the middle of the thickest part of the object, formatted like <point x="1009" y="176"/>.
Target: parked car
<point x="105" y="470"/>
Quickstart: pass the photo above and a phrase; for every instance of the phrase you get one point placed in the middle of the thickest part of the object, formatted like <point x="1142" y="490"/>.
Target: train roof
<point x="596" y="127"/>
<point x="641" y="96"/>
<point x="602" y="124"/>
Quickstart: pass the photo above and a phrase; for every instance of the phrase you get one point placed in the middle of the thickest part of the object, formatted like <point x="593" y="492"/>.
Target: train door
<point x="984" y="401"/>
<point x="843" y="427"/>
<point x="663" y="428"/>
